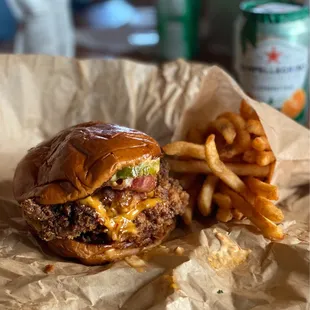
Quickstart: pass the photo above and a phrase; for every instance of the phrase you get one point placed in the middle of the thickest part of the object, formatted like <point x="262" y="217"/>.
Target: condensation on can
<point x="271" y="48"/>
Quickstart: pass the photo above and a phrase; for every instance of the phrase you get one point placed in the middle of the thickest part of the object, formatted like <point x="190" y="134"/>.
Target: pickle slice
<point x="150" y="167"/>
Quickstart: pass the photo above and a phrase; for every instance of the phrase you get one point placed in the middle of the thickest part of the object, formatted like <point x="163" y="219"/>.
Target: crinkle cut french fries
<point x="235" y="157"/>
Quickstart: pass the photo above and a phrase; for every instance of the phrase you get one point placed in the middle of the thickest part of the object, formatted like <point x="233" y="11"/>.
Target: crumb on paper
<point x="163" y="249"/>
<point x="179" y="250"/>
<point x="170" y="281"/>
<point x="157" y="251"/>
<point x="220" y="292"/>
<point x="135" y="262"/>
<point x="49" y="268"/>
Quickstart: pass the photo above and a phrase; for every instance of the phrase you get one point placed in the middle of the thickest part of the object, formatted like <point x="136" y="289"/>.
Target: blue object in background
<point x="8" y="23"/>
<point x="111" y="14"/>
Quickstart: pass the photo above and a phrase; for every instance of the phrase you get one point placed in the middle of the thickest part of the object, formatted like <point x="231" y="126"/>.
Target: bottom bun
<point x="96" y="254"/>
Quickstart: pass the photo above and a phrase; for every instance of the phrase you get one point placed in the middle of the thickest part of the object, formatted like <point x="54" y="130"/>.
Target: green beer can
<point x="178" y="28"/>
<point x="271" y="54"/>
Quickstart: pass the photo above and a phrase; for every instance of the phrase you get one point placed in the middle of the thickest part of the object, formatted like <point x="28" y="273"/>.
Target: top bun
<point x="78" y="160"/>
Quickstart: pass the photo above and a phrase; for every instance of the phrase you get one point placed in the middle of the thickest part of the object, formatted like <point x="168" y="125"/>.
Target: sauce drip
<point x="229" y="256"/>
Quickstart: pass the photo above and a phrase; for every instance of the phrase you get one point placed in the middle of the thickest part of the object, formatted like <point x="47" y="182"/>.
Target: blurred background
<point x="120" y="28"/>
<point x="162" y="30"/>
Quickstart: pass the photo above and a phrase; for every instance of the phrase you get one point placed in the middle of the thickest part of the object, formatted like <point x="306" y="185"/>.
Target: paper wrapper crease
<point x="41" y="95"/>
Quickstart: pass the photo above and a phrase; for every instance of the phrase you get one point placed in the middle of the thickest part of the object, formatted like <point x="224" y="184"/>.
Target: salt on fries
<point x="235" y="158"/>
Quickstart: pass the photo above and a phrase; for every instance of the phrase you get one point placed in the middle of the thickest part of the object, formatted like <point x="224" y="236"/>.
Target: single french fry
<point x="247" y="169"/>
<point x="246" y="111"/>
<point x="261" y="144"/>
<point x="224" y="215"/>
<point x="249" y="156"/>
<point x="205" y="195"/>
<point x="255" y="127"/>
<point x="237" y="214"/>
<point x="265" y="158"/>
<point x="271" y="172"/>
<point x="188" y="214"/>
<point x="194" y="135"/>
<point x="225" y="128"/>
<point x="186" y="149"/>
<point x="225" y="174"/>
<point x="268" y="209"/>
<point x="223" y="201"/>
<point x="268" y="228"/>
<point x="261" y="188"/>
<point x="201" y="167"/>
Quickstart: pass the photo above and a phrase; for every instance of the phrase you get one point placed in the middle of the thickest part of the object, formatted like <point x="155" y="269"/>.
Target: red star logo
<point x="273" y="55"/>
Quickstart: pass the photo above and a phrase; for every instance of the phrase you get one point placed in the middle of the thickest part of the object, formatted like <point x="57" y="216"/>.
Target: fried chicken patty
<point x="74" y="220"/>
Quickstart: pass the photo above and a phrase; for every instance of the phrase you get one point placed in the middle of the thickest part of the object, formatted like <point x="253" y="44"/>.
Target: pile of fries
<point x="237" y="162"/>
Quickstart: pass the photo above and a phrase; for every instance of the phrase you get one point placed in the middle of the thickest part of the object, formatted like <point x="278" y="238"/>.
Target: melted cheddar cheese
<point x="118" y="224"/>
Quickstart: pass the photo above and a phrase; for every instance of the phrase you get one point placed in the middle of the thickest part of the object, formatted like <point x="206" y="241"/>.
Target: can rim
<point x="247" y="9"/>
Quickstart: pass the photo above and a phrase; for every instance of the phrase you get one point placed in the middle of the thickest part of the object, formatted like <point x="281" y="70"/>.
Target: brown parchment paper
<point x="40" y="95"/>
